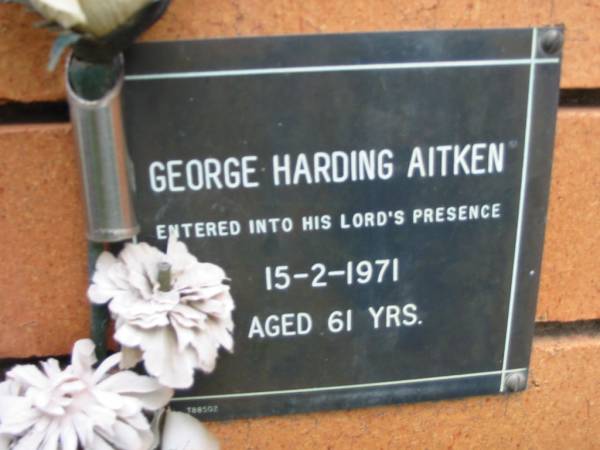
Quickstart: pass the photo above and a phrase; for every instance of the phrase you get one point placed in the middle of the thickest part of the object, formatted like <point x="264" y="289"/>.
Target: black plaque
<point x="378" y="200"/>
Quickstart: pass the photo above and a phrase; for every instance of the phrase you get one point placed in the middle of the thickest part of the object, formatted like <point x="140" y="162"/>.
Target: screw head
<point x="552" y="41"/>
<point x="516" y="382"/>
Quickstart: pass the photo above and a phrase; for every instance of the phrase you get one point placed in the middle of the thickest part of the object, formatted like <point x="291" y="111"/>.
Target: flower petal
<point x="51" y="368"/>
<point x="4" y="442"/>
<point x="109" y="400"/>
<point x="130" y="357"/>
<point x="157" y="421"/>
<point x="105" y="16"/>
<point x="16" y="415"/>
<point x="99" y="444"/>
<point x="220" y="334"/>
<point x="163" y="360"/>
<point x="106" y="279"/>
<point x="136" y="419"/>
<point x="128" y="336"/>
<point x="99" y="294"/>
<point x="9" y="387"/>
<point x="142" y="258"/>
<point x="126" y="437"/>
<point x="84" y="356"/>
<point x="101" y="416"/>
<point x="206" y="352"/>
<point x="29" y="441"/>
<point x="84" y="428"/>
<point x="28" y="375"/>
<point x="147" y="390"/>
<point x="185" y="336"/>
<point x="181" y="432"/>
<point x="105" y="366"/>
<point x="68" y="13"/>
<point x="68" y="436"/>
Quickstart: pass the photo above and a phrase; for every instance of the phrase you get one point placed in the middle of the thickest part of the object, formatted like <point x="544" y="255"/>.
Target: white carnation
<point x="96" y="17"/>
<point x="67" y="13"/>
<point x="78" y="407"/>
<point x="182" y="430"/>
<point x="175" y="329"/>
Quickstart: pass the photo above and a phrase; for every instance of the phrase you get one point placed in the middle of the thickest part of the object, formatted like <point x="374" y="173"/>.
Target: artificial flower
<point x="95" y="17"/>
<point x="183" y="432"/>
<point x="98" y="30"/>
<point x="79" y="406"/>
<point x="170" y="310"/>
<point x="67" y="13"/>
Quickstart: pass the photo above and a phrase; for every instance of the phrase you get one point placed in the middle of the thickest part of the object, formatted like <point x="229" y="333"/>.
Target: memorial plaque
<point x="378" y="201"/>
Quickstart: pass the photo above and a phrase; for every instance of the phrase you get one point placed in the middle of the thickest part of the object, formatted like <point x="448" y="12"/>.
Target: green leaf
<point x="61" y="43"/>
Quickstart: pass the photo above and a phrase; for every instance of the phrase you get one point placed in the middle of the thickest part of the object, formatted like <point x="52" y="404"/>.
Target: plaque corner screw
<point x="551" y="41"/>
<point x="516" y="382"/>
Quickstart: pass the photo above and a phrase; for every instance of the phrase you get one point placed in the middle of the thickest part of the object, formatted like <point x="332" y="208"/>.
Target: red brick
<point x="43" y="308"/>
<point x="24" y="50"/>
<point x="560" y="410"/>
<point x="570" y="285"/>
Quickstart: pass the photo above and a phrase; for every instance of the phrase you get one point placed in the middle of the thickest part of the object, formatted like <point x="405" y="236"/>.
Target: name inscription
<point x="325" y="167"/>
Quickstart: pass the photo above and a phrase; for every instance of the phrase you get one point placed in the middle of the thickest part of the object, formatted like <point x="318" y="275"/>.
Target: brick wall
<point x="43" y="266"/>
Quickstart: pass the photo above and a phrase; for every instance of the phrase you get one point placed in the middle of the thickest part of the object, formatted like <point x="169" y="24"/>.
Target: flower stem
<point x="164" y="276"/>
<point x="100" y="317"/>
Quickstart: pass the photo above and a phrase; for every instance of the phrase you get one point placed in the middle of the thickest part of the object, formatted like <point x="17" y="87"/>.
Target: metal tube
<point x="102" y="148"/>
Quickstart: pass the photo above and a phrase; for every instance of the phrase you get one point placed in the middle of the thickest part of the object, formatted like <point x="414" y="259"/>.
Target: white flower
<point x="67" y="13"/>
<point x="4" y="442"/>
<point x="183" y="432"/>
<point x="78" y="407"/>
<point x="96" y="17"/>
<point x="170" y="310"/>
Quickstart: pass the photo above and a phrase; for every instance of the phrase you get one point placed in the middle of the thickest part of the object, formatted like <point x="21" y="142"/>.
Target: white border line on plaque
<point x="532" y="62"/>
<point x="522" y="195"/>
<point x="340" y="68"/>
<point x="349" y="386"/>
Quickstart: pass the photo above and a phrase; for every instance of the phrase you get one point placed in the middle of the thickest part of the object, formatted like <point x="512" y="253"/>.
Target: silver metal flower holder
<point x="105" y="165"/>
